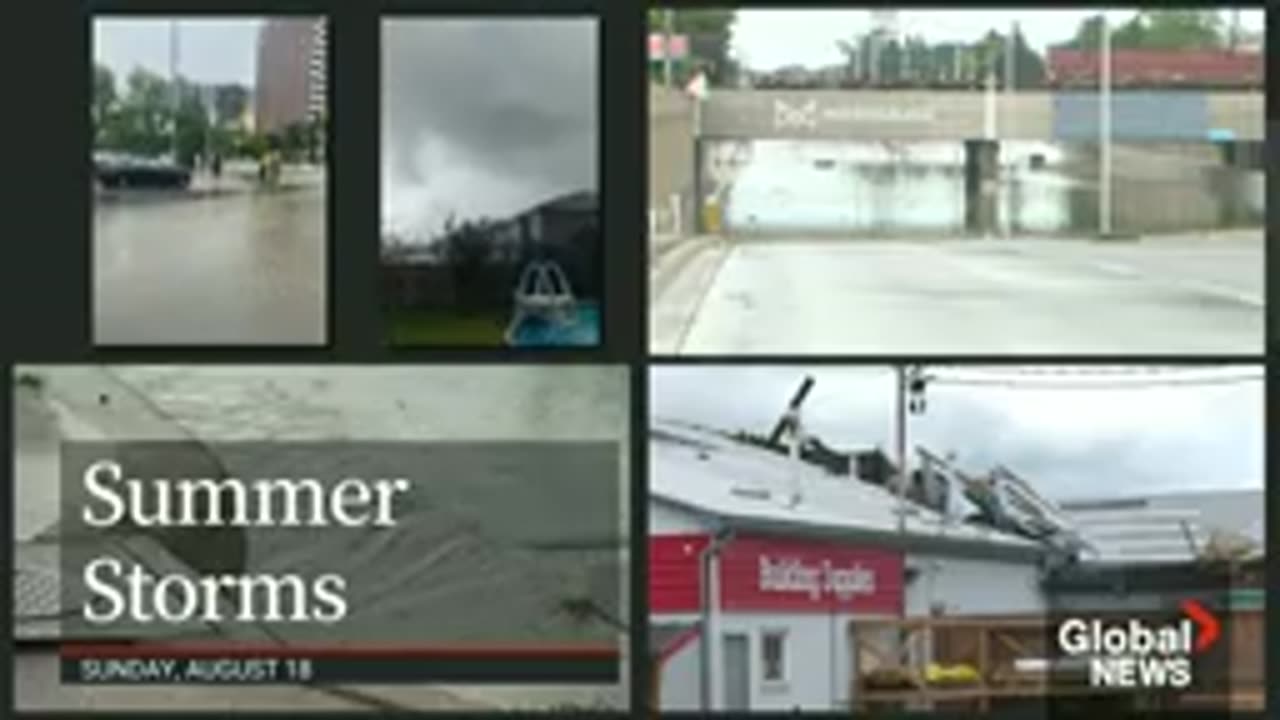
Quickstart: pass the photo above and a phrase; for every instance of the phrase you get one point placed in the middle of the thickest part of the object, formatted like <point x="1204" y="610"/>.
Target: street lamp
<point x="668" y="28"/>
<point x="1104" y="129"/>
<point x="173" y="81"/>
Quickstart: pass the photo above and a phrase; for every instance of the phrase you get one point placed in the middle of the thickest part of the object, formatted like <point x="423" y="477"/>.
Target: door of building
<point x="737" y="673"/>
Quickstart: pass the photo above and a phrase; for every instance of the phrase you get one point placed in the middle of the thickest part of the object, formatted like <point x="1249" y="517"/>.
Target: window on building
<point x="773" y="655"/>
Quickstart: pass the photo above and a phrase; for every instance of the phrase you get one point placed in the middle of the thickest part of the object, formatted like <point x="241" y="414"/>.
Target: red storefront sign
<point x="772" y="574"/>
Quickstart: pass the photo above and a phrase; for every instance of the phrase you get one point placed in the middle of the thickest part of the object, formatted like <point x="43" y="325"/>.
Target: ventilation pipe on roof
<point x="797" y="464"/>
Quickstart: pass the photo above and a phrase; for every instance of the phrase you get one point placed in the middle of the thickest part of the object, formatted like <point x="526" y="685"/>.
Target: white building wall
<point x="681" y="678"/>
<point x="817" y="652"/>
<point x="973" y="586"/>
<point x="819" y="648"/>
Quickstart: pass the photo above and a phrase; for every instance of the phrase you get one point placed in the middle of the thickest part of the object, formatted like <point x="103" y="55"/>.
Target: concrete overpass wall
<point x="937" y="115"/>
<point x="1246" y="114"/>
<point x="671" y="159"/>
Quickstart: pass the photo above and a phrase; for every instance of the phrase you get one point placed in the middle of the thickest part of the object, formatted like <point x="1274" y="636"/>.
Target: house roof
<point x="749" y="488"/>
<point x="581" y="201"/>
<point x="1169" y="527"/>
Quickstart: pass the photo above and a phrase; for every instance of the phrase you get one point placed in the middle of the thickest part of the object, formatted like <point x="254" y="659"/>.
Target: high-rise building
<point x="292" y="72"/>
<point x="885" y="23"/>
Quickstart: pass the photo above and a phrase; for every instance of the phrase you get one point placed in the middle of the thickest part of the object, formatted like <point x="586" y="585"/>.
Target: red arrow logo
<point x="1208" y="627"/>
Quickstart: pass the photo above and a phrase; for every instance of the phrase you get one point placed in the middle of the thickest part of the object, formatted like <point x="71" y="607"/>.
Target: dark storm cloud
<point x="480" y="116"/>
<point x="1067" y="443"/>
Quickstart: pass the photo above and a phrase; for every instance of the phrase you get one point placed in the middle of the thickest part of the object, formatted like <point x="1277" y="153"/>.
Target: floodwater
<point x="918" y="188"/>
<point x="240" y="269"/>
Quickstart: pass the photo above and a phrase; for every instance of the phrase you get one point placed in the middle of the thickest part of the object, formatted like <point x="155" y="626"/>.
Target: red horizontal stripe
<point x="387" y="652"/>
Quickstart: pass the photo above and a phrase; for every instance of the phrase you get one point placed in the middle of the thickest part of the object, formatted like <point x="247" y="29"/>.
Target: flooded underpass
<point x="872" y="248"/>
<point x="918" y="189"/>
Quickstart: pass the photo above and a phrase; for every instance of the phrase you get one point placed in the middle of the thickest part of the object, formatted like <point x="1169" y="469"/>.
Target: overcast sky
<point x="211" y="50"/>
<point x="769" y="39"/>
<point x="1094" y="442"/>
<point x="485" y="117"/>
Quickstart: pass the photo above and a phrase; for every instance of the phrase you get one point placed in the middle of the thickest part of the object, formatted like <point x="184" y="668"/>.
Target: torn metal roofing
<point x="1173" y="527"/>
<point x="747" y="486"/>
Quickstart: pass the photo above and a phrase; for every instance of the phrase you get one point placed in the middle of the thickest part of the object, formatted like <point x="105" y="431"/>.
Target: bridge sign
<point x="875" y="115"/>
<point x="829" y="114"/>
<point x="786" y="115"/>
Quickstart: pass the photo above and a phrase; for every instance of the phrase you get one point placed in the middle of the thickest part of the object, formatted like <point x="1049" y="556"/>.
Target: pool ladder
<point x="543" y="291"/>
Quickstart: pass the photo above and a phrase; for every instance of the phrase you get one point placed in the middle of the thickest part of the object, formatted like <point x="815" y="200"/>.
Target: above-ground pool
<point x="582" y="329"/>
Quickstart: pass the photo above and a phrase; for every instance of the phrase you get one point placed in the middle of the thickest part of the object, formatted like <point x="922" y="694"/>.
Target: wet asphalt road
<point x="1183" y="295"/>
<point x="240" y="269"/>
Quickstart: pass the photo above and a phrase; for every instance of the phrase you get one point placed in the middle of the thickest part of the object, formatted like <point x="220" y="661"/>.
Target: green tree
<point x="295" y="139"/>
<point x="104" y="95"/>
<point x="191" y="125"/>
<point x="467" y="248"/>
<point x="709" y="31"/>
<point x="253" y="145"/>
<point x="1028" y="65"/>
<point x="229" y="103"/>
<point x="142" y="120"/>
<point x="1155" y="30"/>
<point x="1173" y="30"/>
<point x="1088" y="35"/>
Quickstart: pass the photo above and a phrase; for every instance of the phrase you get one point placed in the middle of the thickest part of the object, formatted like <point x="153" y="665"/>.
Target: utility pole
<point x="1104" y="128"/>
<point x="668" y="29"/>
<point x="173" y="82"/>
<point x="990" y="106"/>
<point x="900" y="445"/>
<point x="1010" y="75"/>
<point x="1235" y="29"/>
<point x="1010" y="52"/>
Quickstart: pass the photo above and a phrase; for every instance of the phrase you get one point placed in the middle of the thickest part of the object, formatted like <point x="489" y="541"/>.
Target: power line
<point x="1109" y="371"/>
<point x="1106" y="384"/>
<point x="1091" y="377"/>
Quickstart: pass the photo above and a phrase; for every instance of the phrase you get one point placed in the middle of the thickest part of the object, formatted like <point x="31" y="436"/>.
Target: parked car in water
<point x="117" y="170"/>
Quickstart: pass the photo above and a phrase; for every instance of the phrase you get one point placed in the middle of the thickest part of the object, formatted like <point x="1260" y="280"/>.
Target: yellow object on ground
<point x="960" y="674"/>
<point x="711" y="216"/>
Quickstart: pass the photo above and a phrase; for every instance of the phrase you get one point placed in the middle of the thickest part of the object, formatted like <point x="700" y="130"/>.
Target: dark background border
<point x="44" y="270"/>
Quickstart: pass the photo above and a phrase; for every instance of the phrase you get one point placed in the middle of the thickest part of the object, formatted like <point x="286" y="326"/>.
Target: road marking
<point x="1115" y="269"/>
<point x="1199" y="286"/>
<point x="1224" y="292"/>
<point x="689" y="269"/>
<point x="708" y="281"/>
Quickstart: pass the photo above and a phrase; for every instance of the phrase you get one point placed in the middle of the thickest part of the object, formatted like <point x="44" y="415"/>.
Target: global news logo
<point x="1138" y="655"/>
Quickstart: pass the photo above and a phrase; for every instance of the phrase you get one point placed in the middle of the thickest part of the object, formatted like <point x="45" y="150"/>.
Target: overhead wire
<point x="1092" y="377"/>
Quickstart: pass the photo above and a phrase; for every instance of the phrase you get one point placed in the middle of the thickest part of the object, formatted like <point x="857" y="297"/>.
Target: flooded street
<point x="482" y="546"/>
<point x="918" y="188"/>
<point x="940" y="297"/>
<point x="240" y="269"/>
<point x="866" y="249"/>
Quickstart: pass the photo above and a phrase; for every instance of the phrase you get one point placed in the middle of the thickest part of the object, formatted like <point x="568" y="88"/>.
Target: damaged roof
<point x="752" y="488"/>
